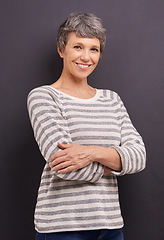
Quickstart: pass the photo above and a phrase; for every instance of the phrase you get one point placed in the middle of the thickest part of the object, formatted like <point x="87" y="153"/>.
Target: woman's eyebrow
<point x="80" y="43"/>
<point x="96" y="46"/>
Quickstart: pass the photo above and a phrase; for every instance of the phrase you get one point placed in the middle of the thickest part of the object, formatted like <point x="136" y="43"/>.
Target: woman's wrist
<point x="108" y="157"/>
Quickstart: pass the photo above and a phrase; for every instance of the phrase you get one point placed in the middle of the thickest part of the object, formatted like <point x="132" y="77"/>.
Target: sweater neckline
<point x="95" y="97"/>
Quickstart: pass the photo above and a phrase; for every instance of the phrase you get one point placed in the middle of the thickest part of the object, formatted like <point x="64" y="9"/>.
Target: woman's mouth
<point x="83" y="66"/>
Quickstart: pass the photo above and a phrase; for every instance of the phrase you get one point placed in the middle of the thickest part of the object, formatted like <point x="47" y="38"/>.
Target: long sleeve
<point x="50" y="127"/>
<point x="131" y="150"/>
<point x="99" y="121"/>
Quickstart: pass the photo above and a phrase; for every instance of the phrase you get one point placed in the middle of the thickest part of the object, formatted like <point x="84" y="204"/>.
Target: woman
<point x="86" y="138"/>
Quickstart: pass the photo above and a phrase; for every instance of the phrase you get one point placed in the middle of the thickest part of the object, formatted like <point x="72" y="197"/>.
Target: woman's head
<point x="85" y="25"/>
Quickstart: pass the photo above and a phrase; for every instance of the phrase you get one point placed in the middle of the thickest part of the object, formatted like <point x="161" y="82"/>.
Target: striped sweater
<point x="83" y="199"/>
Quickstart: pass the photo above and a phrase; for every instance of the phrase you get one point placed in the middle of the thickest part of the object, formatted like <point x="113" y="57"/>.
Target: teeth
<point x="84" y="66"/>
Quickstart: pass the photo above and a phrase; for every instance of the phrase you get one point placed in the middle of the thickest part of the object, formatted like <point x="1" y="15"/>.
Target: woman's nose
<point x="85" y="55"/>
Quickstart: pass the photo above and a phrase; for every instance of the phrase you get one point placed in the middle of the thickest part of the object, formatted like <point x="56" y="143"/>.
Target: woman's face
<point x="80" y="56"/>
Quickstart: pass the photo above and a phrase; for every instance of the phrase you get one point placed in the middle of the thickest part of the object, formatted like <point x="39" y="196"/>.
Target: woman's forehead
<point x="73" y="38"/>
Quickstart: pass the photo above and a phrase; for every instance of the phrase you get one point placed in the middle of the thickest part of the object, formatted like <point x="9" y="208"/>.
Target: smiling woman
<point x="87" y="139"/>
<point x="80" y="57"/>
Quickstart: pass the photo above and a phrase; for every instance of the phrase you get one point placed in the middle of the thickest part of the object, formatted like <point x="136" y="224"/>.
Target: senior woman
<point x="87" y="139"/>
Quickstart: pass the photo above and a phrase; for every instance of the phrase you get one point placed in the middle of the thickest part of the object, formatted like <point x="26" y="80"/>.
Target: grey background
<point x="132" y="65"/>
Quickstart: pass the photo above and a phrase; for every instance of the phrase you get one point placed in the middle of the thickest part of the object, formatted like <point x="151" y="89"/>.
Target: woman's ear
<point x="59" y="51"/>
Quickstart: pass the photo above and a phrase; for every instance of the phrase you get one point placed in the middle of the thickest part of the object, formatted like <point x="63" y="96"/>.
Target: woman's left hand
<point x="72" y="157"/>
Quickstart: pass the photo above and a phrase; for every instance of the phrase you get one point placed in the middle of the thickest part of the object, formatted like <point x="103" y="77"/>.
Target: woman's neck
<point x="74" y="87"/>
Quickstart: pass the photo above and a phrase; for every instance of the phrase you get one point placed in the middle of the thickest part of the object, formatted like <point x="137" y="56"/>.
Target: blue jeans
<point x="115" y="234"/>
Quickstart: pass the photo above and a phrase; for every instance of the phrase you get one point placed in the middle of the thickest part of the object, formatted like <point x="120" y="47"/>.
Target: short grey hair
<point x="84" y="25"/>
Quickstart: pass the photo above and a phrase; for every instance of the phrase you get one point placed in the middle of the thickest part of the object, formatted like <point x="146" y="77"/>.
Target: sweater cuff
<point x="124" y="160"/>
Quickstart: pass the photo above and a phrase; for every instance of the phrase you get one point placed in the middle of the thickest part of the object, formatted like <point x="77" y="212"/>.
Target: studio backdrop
<point x="132" y="65"/>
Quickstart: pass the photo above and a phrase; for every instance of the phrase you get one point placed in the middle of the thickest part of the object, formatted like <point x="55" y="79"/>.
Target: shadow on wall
<point x="49" y="67"/>
<point x="23" y="162"/>
<point x="20" y="177"/>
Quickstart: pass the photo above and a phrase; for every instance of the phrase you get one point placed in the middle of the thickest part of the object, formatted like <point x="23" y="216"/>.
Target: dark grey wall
<point x="132" y="65"/>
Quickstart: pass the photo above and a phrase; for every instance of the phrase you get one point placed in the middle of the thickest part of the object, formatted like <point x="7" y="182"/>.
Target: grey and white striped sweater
<point x="83" y="199"/>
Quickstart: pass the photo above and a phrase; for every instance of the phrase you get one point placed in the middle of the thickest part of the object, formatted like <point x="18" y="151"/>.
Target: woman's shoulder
<point x="42" y="91"/>
<point x="110" y="94"/>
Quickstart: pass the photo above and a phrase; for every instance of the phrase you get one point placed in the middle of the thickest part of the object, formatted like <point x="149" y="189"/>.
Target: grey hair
<point x="84" y="25"/>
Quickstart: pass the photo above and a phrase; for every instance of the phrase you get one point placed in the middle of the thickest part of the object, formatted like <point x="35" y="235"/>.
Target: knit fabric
<point x="83" y="199"/>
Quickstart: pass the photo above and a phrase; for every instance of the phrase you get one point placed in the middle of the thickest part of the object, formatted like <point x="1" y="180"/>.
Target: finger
<point x="64" y="146"/>
<point x="70" y="168"/>
<point x="61" y="166"/>
<point x="57" y="155"/>
<point x="57" y="161"/>
<point x="66" y="170"/>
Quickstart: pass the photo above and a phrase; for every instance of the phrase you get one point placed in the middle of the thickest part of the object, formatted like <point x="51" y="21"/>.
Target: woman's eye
<point x="95" y="50"/>
<point x="77" y="47"/>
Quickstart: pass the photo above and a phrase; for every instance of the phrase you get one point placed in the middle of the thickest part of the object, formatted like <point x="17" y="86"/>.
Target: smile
<point x="83" y="65"/>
